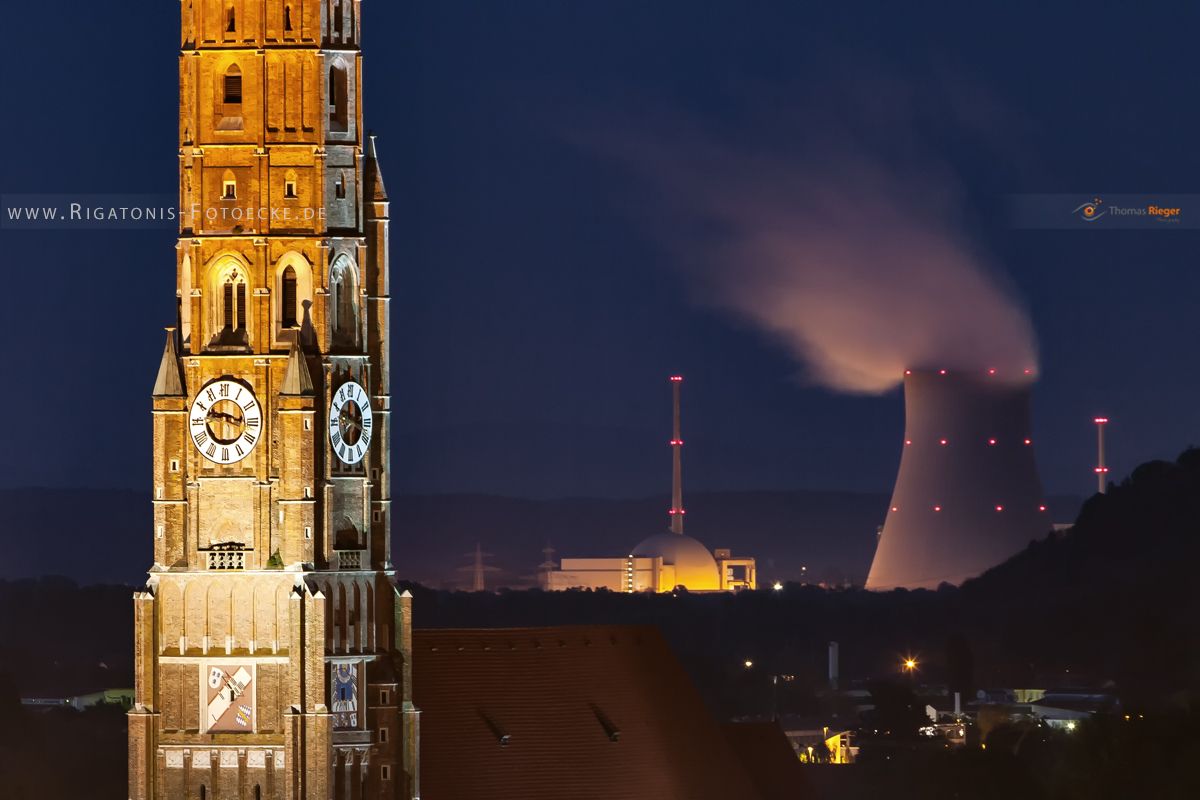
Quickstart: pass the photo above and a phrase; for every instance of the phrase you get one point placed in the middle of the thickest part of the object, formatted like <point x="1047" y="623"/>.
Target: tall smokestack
<point x="967" y="495"/>
<point x="1101" y="467"/>
<point x="676" y="511"/>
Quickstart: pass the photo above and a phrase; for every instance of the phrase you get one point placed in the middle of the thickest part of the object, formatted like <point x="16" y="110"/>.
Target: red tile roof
<point x="769" y="759"/>
<point x="569" y="713"/>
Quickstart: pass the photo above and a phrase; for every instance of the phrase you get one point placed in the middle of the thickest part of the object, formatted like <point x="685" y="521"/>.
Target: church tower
<point x="272" y="650"/>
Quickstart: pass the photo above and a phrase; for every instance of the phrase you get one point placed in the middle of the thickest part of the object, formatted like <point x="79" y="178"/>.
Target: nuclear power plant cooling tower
<point x="968" y="495"/>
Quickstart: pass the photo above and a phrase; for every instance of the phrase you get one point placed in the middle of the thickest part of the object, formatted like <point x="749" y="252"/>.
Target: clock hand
<point x="234" y="691"/>
<point x="228" y="417"/>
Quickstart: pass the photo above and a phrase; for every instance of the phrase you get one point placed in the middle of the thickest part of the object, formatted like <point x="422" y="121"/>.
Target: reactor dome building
<point x="967" y="495"/>
<point x="665" y="561"/>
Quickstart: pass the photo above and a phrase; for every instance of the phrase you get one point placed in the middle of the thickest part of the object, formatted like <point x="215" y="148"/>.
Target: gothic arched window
<point x="339" y="87"/>
<point x="227" y="304"/>
<point x="232" y="86"/>
<point x="292" y="293"/>
<point x="289" y="298"/>
<point x="229" y="99"/>
<point x="287" y="17"/>
<point x="343" y="286"/>
<point x="233" y="304"/>
<point x="230" y="18"/>
<point x="229" y="185"/>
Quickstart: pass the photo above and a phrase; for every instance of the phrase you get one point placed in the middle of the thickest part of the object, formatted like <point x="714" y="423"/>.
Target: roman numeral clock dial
<point x="350" y="422"/>
<point x="225" y="421"/>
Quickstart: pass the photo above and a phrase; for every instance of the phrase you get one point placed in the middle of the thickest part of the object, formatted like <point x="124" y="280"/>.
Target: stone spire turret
<point x="169" y="382"/>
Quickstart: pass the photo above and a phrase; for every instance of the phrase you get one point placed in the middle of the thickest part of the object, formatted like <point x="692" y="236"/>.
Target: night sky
<point x="542" y="294"/>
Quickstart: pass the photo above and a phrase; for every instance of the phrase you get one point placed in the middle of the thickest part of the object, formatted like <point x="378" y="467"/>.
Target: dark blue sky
<point x="537" y="312"/>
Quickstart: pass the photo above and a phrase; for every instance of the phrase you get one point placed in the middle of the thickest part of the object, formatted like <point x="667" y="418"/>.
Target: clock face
<point x="225" y="421"/>
<point x="350" y="422"/>
<point x="229" y="698"/>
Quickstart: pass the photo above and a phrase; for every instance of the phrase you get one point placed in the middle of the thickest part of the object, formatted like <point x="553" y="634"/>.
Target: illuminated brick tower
<point x="271" y="646"/>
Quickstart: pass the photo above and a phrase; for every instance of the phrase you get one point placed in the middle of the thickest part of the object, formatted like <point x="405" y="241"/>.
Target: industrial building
<point x="967" y="496"/>
<point x="665" y="560"/>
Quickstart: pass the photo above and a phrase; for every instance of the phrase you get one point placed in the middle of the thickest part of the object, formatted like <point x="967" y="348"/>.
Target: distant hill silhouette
<point x="103" y="535"/>
<point x="88" y="535"/>
<point x="1110" y="599"/>
<point x="832" y="533"/>
<point x="1110" y="602"/>
<point x="1117" y="592"/>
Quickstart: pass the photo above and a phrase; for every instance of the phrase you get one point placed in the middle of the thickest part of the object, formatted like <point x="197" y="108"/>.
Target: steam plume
<point x="857" y="262"/>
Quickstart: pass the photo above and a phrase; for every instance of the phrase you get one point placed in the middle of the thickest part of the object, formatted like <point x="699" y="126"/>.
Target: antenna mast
<point x="1101" y="468"/>
<point x="677" y="511"/>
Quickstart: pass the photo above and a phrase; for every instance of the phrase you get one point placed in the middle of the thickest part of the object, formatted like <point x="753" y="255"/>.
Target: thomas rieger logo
<point x="1091" y="211"/>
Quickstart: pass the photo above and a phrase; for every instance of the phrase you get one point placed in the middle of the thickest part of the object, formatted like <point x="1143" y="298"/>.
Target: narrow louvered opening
<point x="289" y="298"/>
<point x="233" y="89"/>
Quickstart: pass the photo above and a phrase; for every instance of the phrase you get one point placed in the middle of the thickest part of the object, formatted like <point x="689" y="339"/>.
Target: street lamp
<point x="910" y="665"/>
<point x="777" y="586"/>
<point x="747" y="663"/>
